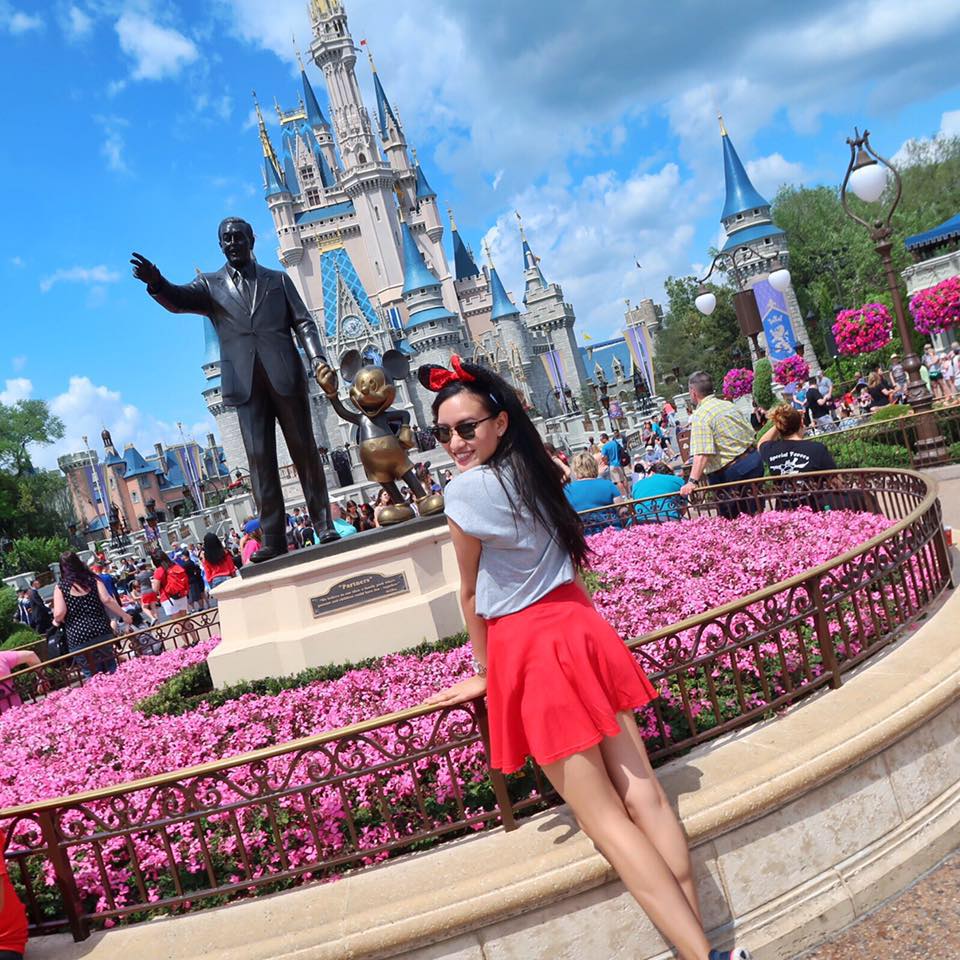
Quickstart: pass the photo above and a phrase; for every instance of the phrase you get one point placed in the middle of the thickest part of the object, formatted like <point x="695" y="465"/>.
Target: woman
<point x="251" y="541"/>
<point x="383" y="500"/>
<point x="783" y="449"/>
<point x="554" y="455"/>
<point x="13" y="918"/>
<point x="171" y="584"/>
<point x="218" y="565"/>
<point x="83" y="605"/>
<point x="366" y="521"/>
<point x="879" y="390"/>
<point x="587" y="491"/>
<point x="542" y="651"/>
<point x="352" y="514"/>
<point x="931" y="360"/>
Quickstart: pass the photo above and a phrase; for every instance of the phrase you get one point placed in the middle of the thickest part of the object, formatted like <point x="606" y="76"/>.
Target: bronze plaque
<point x="356" y="591"/>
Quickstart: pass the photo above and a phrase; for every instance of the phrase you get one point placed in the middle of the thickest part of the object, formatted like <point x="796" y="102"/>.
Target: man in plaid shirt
<point x="722" y="442"/>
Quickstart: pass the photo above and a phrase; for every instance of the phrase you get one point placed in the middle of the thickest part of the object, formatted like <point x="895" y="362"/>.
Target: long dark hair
<point x="213" y="551"/>
<point x="538" y="483"/>
<point x="160" y="559"/>
<point x="73" y="571"/>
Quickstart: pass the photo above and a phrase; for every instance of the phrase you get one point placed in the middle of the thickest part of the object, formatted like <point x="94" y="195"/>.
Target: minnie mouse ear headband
<point x="435" y="378"/>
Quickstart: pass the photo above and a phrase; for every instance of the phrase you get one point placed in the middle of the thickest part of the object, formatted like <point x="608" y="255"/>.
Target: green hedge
<point x="892" y="411"/>
<point x="763" y="383"/>
<point x="20" y="637"/>
<point x="851" y="453"/>
<point x="188" y="689"/>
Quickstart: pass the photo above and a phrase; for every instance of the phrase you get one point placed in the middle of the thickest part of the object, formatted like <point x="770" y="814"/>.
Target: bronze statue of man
<point x="255" y="312"/>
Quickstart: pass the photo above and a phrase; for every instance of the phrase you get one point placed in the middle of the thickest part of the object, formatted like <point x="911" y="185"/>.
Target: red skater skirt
<point x="557" y="675"/>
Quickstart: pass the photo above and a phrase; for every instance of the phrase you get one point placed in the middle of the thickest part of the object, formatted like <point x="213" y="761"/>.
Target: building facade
<point x="360" y="233"/>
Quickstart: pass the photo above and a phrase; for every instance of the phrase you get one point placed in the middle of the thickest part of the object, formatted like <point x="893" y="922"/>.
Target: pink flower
<point x="863" y="330"/>
<point x="792" y="370"/>
<point x="938" y="307"/>
<point x="738" y="383"/>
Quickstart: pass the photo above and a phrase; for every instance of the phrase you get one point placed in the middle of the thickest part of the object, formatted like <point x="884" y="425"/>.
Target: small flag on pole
<point x="363" y="43"/>
<point x="586" y="336"/>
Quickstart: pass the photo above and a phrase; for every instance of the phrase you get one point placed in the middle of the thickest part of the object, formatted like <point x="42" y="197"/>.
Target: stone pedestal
<point x="368" y="595"/>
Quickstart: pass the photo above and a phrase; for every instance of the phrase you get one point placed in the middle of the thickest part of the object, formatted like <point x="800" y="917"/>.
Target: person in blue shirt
<point x="612" y="449"/>
<point x="587" y="491"/>
<point x="661" y="479"/>
<point x="342" y="527"/>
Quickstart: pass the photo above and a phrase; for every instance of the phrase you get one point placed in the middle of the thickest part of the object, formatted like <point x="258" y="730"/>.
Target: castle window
<point x="377" y="265"/>
<point x="133" y="496"/>
<point x="361" y="158"/>
<point x="313" y="197"/>
<point x="306" y="173"/>
<point x="376" y="211"/>
<point x="739" y="216"/>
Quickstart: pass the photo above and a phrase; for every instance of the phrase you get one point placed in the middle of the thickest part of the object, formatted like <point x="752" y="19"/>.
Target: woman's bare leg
<point x="628" y="766"/>
<point x="583" y="782"/>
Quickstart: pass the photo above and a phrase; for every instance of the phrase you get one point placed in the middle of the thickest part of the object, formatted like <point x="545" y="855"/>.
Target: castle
<point x="361" y="235"/>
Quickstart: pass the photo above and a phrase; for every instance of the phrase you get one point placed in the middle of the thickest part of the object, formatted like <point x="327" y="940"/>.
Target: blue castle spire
<point x="424" y="190"/>
<point x="315" y="115"/>
<point x="741" y="194"/>
<point x="274" y="185"/>
<point x="531" y="262"/>
<point x="416" y="273"/>
<point x="463" y="264"/>
<point x="503" y="306"/>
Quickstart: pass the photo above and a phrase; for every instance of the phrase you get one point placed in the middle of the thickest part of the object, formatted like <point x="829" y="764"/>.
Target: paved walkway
<point x="923" y="921"/>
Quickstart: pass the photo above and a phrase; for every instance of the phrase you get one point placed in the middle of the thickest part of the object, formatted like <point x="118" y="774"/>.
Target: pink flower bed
<point x="83" y="739"/>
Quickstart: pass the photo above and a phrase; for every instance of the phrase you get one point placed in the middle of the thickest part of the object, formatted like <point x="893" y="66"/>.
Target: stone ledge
<point x="798" y="825"/>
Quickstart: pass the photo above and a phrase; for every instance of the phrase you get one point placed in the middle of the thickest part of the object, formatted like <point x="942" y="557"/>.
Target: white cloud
<point x="78" y="24"/>
<point x="156" y="51"/>
<point x="18" y="362"/>
<point x="770" y="173"/>
<point x="20" y="388"/>
<point x="925" y="149"/>
<point x="114" y="142"/>
<point x="116" y="86"/>
<point x="17" y="261"/>
<point x="589" y="236"/>
<point x="87" y="408"/>
<point x="99" y="274"/>
<point x="950" y="124"/>
<point x="18" y="22"/>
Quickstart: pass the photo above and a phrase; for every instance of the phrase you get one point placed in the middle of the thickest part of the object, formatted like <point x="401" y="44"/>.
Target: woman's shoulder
<point x="471" y="482"/>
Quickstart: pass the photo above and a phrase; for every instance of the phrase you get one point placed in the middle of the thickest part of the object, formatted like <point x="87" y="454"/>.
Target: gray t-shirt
<point x="520" y="561"/>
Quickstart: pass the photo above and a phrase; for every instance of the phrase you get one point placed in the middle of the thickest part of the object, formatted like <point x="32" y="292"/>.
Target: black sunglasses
<point x="465" y="431"/>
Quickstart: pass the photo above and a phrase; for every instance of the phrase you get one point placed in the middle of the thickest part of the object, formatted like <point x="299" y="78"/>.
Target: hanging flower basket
<point x="938" y="307"/>
<point x="738" y="383"/>
<point x="792" y="370"/>
<point x="863" y="330"/>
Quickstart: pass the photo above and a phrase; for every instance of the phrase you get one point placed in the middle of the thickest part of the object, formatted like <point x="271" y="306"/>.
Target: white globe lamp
<point x="706" y="303"/>
<point x="780" y="280"/>
<point x="868" y="181"/>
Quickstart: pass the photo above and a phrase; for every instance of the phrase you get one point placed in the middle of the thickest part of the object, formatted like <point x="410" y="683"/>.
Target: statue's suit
<point x="262" y="376"/>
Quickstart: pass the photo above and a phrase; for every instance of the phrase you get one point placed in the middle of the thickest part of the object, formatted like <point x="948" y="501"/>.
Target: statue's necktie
<point x="244" y="288"/>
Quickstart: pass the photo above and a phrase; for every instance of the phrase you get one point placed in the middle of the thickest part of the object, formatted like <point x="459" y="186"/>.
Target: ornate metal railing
<point x="33" y="683"/>
<point x="311" y="809"/>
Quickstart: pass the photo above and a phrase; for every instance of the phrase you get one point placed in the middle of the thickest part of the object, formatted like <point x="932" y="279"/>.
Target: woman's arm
<point x="769" y="434"/>
<point x="59" y="606"/>
<point x="468" y="560"/>
<point x="112" y="605"/>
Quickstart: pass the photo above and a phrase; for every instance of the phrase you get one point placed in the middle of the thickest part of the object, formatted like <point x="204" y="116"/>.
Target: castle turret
<point x="760" y="247"/>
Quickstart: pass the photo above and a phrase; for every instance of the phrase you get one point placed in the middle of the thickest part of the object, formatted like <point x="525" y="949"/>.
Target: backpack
<point x="176" y="584"/>
<point x="624" y="456"/>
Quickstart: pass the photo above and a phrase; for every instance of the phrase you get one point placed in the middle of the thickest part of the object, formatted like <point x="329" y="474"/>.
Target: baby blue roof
<point x="337" y="263"/>
<point x="604" y="354"/>
<point x="315" y="115"/>
<point x="425" y="316"/>
<point x="326" y="174"/>
<point x="384" y="109"/>
<point x="503" y="306"/>
<point x="290" y="173"/>
<point x="947" y="230"/>
<point x="424" y="190"/>
<point x="464" y="265"/>
<point x="274" y="185"/>
<point x="530" y="262"/>
<point x="741" y="193"/>
<point x="325" y="213"/>
<point x="136" y="465"/>
<point x="98" y="523"/>
<point x="416" y="274"/>
<point x="750" y="235"/>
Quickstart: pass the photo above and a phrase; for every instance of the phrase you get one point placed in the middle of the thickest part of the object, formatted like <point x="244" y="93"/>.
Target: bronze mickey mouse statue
<point x="385" y="434"/>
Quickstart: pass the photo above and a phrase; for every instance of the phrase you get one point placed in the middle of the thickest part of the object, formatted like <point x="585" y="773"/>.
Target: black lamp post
<point x="867" y="177"/>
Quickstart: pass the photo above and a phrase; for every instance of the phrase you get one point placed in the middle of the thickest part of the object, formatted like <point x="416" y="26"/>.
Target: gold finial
<point x="268" y="150"/>
<point x="723" y="129"/>
<point x="453" y="223"/>
<point x="365" y="44"/>
<point x="413" y="150"/>
<point x="523" y="236"/>
<point x="296" y="52"/>
<point x="486" y="250"/>
<point x="399" y="193"/>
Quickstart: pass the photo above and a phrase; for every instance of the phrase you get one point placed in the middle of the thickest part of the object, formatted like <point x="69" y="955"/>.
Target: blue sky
<point x="128" y="126"/>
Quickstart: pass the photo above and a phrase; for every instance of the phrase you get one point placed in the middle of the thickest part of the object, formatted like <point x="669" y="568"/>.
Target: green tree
<point x="692" y="341"/>
<point x="763" y="383"/>
<point x="21" y="424"/>
<point x="833" y="262"/>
